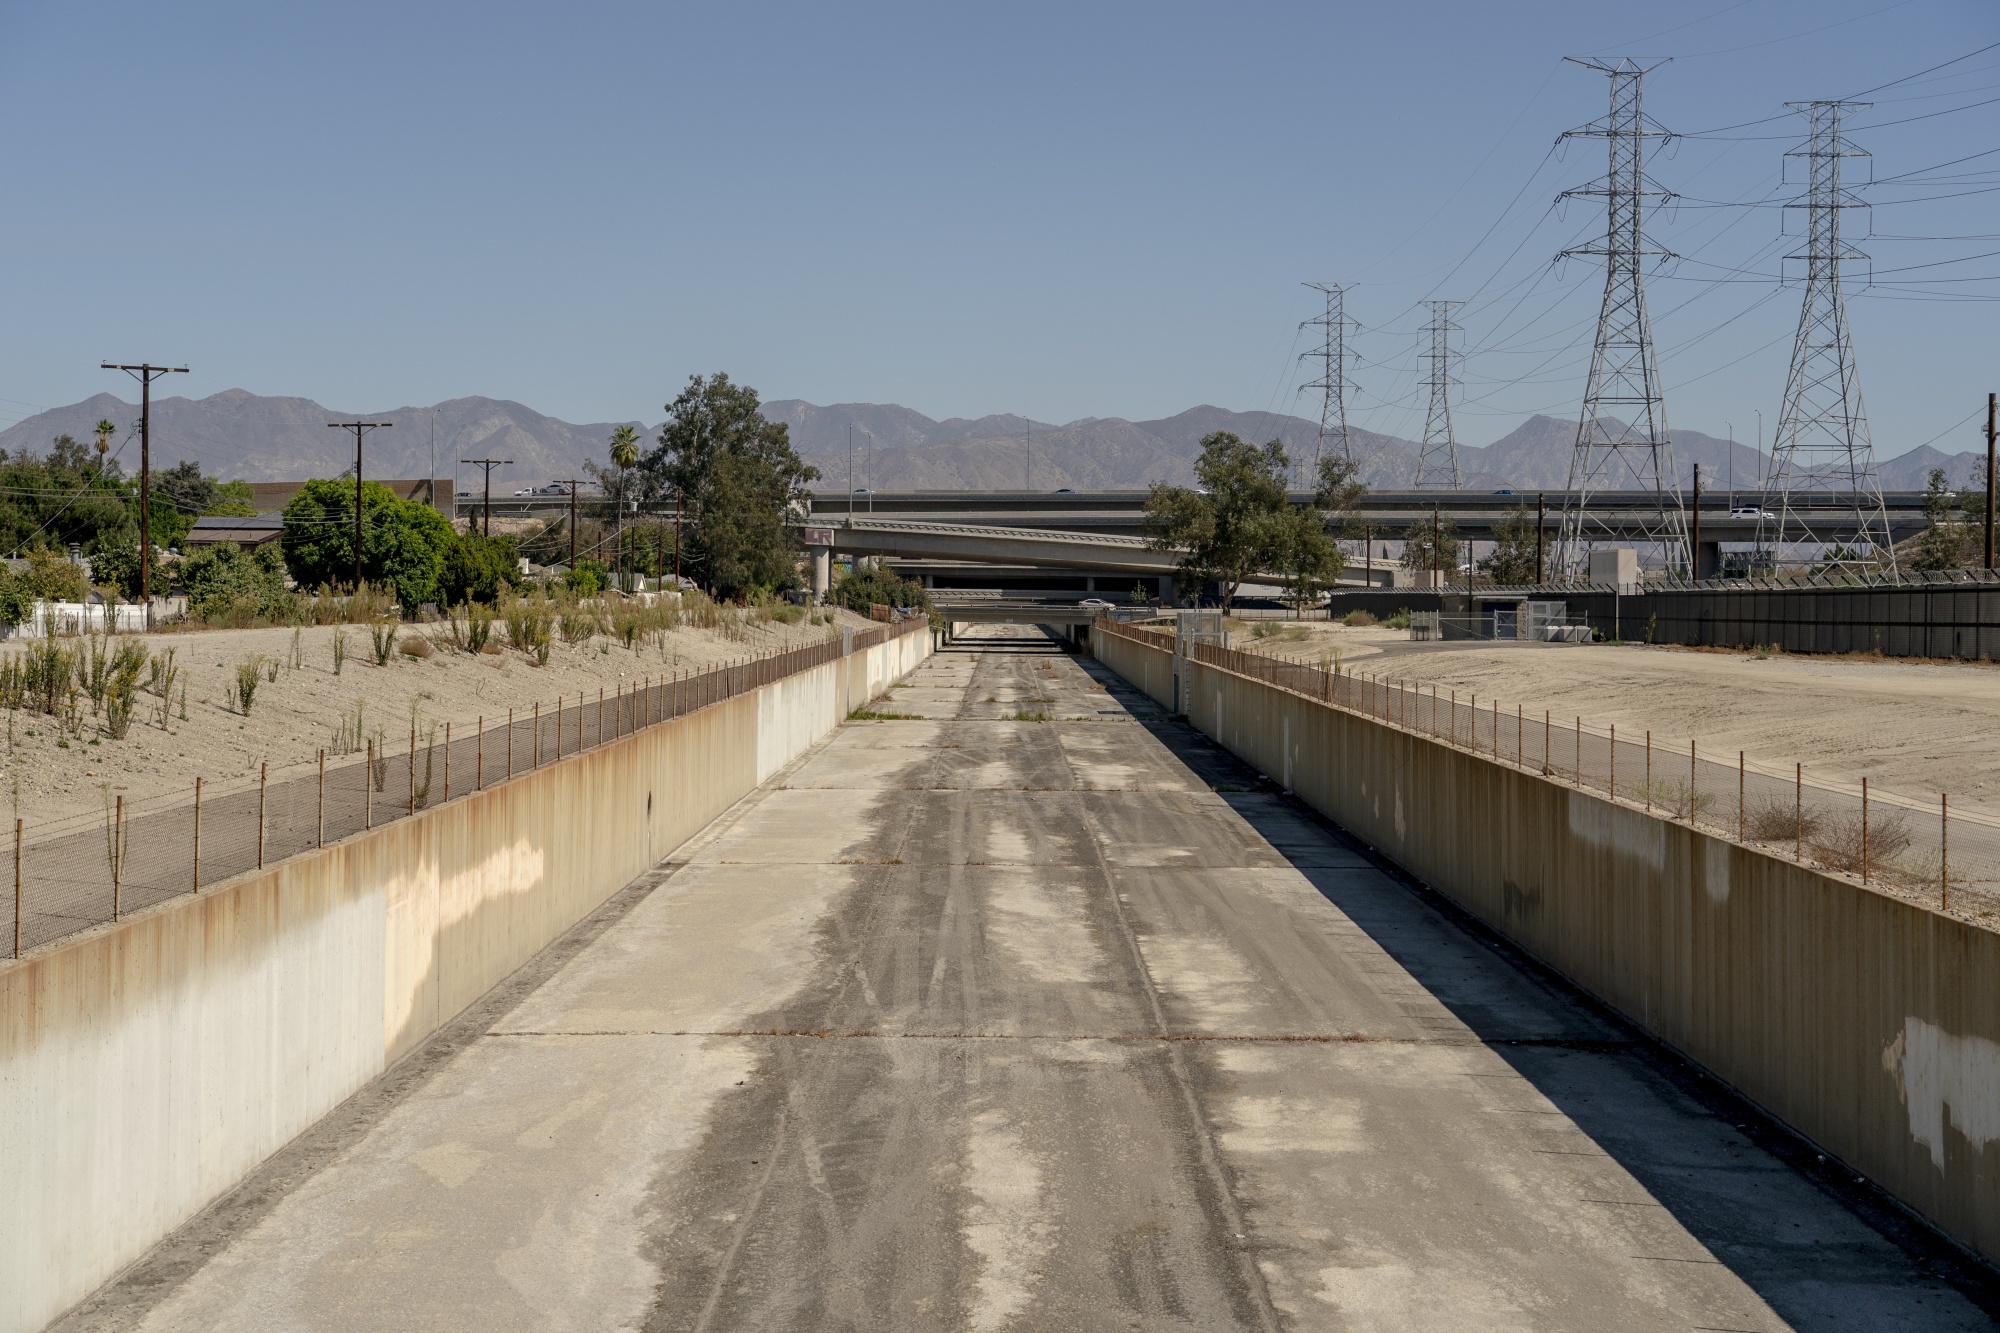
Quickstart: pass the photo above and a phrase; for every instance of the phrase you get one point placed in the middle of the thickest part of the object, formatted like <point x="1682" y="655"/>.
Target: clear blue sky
<point x="1065" y="210"/>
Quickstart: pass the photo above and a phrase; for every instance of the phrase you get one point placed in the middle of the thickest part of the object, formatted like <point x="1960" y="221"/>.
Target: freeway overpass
<point x="1389" y="514"/>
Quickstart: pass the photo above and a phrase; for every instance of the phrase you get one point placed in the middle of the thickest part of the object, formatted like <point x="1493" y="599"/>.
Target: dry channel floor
<point x="972" y="1023"/>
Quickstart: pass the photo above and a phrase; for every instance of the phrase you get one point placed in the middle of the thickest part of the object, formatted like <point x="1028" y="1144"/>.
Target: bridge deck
<point x="968" y="1022"/>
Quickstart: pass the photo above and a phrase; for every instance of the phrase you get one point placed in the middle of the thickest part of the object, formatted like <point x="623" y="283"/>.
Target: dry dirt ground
<point x="1912" y="728"/>
<point x="53" y="782"/>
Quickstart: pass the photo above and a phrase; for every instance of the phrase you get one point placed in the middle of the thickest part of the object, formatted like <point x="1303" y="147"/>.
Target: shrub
<point x="1782" y="821"/>
<point x="248" y="673"/>
<point x="415" y="646"/>
<point x="226" y="585"/>
<point x="382" y="637"/>
<point x="54" y="577"/>
<point x="587" y="577"/>
<point x="864" y="588"/>
<point x="479" y="569"/>
<point x="1401" y="620"/>
<point x="1837" y="843"/>
<point x="1358" y="619"/>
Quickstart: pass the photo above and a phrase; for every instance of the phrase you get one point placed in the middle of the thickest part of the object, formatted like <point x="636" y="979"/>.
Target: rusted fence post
<point x="1694" y="782"/>
<point x="1742" y="791"/>
<point x="1579" y="751"/>
<point x="413" y="766"/>
<point x="510" y="742"/>
<point x="538" y="729"/>
<point x="479" y="757"/>
<point x="447" y="761"/>
<point x="197" y="835"/>
<point x="600" y="715"/>
<point x="1520" y="736"/>
<point x="1864" y="830"/>
<point x="1649" y="772"/>
<point x="17" y="888"/>
<point x="1614" y="761"/>
<point x="1799" y="795"/>
<point x="1944" y="864"/>
<point x="559" y="706"/>
<point x="263" y="782"/>
<point x="368" y="789"/>
<point x="322" y="797"/>
<point x="118" y="859"/>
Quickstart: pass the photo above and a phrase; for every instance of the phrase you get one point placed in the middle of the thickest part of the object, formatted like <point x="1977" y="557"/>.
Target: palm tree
<point x="104" y="430"/>
<point x="625" y="457"/>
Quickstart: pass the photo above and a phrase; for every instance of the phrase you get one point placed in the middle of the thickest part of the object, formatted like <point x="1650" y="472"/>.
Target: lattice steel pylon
<point x="1624" y="371"/>
<point x="1437" y="465"/>
<point x="1822" y="459"/>
<point x="1333" y="384"/>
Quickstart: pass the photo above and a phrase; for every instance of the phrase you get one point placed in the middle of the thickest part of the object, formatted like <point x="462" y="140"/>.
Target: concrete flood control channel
<point x="964" y="1022"/>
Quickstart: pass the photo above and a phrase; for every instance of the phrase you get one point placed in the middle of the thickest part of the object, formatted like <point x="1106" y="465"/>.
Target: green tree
<point x="1431" y="545"/>
<point x="478" y="568"/>
<point x="1515" y="546"/>
<point x="68" y="498"/>
<point x="104" y="431"/>
<point x="1304" y="555"/>
<point x="1231" y="525"/>
<point x="219" y="577"/>
<point x="739" y="478"/>
<point x="1946" y="538"/>
<point x="403" y="542"/>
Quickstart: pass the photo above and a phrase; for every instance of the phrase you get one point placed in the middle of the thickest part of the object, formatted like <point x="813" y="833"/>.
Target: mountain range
<point x="239" y="434"/>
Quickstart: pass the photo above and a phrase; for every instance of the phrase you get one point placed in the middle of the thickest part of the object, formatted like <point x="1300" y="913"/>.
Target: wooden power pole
<point x="146" y="374"/>
<point x="360" y="428"/>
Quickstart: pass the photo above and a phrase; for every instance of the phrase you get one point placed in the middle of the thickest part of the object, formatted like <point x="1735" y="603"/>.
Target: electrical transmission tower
<point x="1822" y="460"/>
<point x="1332" y="383"/>
<point x="1437" y="465"/>
<point x="1624" y="372"/>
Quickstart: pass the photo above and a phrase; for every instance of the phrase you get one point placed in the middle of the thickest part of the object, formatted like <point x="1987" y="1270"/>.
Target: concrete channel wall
<point x="1870" y="1025"/>
<point x="149" y="1065"/>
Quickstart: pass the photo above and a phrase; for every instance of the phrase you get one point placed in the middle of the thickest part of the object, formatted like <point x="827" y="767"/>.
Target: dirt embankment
<point x="56" y="776"/>
<point x="1913" y="728"/>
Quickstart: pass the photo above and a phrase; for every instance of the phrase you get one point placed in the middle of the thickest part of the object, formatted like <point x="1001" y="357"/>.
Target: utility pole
<point x="1694" y="530"/>
<point x="1992" y="429"/>
<point x="1823" y="459"/>
<point x="1541" y="532"/>
<point x="1333" y="357"/>
<point x="146" y="374"/>
<point x="489" y="464"/>
<point x="572" y="483"/>
<point x="1624" y="371"/>
<point x="1437" y="465"/>
<point x="360" y="428"/>
<point x="850" y="498"/>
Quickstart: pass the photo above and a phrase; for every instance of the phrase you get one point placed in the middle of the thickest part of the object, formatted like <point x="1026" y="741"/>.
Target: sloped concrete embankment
<point x="149" y="1065"/>
<point x="1869" y="1024"/>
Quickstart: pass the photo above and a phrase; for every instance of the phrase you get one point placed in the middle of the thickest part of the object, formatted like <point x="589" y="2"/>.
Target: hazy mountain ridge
<point x="240" y="434"/>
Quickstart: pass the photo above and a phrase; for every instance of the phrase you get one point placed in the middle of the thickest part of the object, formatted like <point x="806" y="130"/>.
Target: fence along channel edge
<point x="1915" y="849"/>
<point x="130" y="861"/>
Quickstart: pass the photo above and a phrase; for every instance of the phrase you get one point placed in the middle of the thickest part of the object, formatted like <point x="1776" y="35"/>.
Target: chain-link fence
<point x="85" y="871"/>
<point x="1911" y="846"/>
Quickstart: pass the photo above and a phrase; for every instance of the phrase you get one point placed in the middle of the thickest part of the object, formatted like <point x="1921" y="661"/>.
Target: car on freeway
<point x="1094" y="604"/>
<point x="1750" y="511"/>
<point x="1505" y="490"/>
<point x="1064" y="490"/>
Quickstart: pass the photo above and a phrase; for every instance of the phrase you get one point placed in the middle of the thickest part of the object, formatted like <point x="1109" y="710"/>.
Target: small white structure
<point x="1618" y="568"/>
<point x="49" y="619"/>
